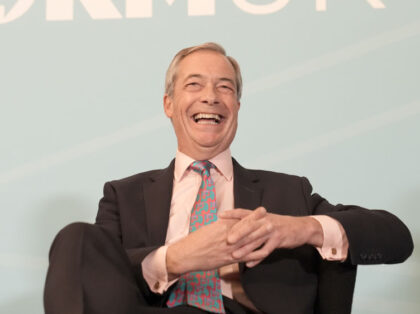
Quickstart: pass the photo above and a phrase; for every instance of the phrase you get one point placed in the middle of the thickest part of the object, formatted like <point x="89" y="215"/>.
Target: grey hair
<point x="171" y="73"/>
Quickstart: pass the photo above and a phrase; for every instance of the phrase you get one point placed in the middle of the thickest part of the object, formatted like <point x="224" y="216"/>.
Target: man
<point x="249" y="241"/>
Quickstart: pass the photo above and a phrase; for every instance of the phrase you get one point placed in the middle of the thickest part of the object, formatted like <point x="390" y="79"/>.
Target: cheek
<point x="234" y="114"/>
<point x="233" y="107"/>
<point x="182" y="104"/>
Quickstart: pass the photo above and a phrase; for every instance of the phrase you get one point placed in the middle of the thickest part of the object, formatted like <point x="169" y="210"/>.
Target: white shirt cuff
<point x="154" y="270"/>
<point x="335" y="245"/>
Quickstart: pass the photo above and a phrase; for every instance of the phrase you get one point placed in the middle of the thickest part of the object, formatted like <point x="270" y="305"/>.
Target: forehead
<point x="206" y="63"/>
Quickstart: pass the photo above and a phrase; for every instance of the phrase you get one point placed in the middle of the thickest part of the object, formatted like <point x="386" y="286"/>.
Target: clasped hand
<point x="240" y="235"/>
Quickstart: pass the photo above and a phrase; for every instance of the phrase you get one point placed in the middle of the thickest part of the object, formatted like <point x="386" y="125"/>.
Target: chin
<point x="208" y="143"/>
<point x="208" y="146"/>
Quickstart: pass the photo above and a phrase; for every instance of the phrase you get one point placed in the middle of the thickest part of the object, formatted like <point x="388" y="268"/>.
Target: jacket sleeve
<point x="108" y="217"/>
<point x="375" y="236"/>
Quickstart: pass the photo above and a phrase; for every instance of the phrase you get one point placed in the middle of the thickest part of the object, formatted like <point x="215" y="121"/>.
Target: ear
<point x="168" y="105"/>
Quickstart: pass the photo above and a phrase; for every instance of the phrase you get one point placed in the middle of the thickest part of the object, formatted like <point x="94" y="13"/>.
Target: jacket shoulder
<point x="267" y="175"/>
<point x="273" y="175"/>
<point x="142" y="177"/>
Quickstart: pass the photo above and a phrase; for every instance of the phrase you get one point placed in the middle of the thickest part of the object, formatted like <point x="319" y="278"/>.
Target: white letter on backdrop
<point x="376" y="4"/>
<point x="321" y="5"/>
<point x="138" y="8"/>
<point x="15" y="12"/>
<point x="144" y="8"/>
<point x="201" y="7"/>
<point x="261" y="8"/>
<point x="63" y="10"/>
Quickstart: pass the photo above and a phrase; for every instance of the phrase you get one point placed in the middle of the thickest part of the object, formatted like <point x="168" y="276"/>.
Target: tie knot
<point x="202" y="166"/>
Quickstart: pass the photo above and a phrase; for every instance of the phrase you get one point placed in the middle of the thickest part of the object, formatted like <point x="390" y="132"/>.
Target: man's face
<point x="204" y="105"/>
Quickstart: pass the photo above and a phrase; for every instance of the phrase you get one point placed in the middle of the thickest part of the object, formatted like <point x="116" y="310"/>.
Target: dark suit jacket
<point x="136" y="210"/>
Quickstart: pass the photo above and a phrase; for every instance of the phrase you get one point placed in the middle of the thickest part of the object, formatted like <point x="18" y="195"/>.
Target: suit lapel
<point x="157" y="199"/>
<point x="247" y="191"/>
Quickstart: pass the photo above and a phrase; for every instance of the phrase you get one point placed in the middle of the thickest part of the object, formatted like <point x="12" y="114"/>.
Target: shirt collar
<point x="222" y="161"/>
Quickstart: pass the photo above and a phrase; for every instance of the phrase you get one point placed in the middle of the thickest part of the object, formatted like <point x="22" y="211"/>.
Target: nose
<point x="209" y="95"/>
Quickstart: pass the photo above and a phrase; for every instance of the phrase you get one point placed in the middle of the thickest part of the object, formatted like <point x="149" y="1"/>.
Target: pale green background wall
<point x="333" y="95"/>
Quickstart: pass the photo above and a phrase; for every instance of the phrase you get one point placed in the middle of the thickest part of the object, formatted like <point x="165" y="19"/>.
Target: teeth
<point x="207" y="122"/>
<point x="213" y="116"/>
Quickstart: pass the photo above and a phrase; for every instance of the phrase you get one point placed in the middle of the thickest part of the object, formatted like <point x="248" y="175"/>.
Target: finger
<point x="234" y="213"/>
<point x="242" y="229"/>
<point x="259" y="212"/>
<point x="248" y="248"/>
<point x="253" y="263"/>
<point x="260" y="253"/>
<point x="239" y="213"/>
<point x="246" y="226"/>
<point x="264" y="230"/>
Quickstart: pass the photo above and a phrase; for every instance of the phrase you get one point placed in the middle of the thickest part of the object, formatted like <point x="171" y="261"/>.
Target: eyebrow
<point x="192" y="76"/>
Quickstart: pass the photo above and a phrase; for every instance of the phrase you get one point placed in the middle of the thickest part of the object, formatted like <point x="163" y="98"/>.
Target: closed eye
<point x="192" y="86"/>
<point x="226" y="88"/>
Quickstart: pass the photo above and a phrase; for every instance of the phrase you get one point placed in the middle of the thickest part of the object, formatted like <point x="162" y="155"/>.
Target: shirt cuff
<point x="335" y="245"/>
<point x="154" y="270"/>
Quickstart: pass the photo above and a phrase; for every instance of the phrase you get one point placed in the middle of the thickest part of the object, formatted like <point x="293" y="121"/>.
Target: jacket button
<point x="334" y="251"/>
<point x="157" y="285"/>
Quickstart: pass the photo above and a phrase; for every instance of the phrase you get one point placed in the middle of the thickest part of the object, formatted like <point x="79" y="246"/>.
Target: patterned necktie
<point x="200" y="288"/>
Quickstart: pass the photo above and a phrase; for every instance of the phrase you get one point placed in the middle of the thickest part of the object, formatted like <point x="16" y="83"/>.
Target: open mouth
<point x="207" y="118"/>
